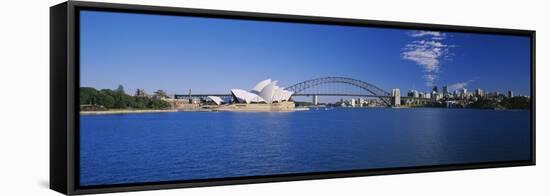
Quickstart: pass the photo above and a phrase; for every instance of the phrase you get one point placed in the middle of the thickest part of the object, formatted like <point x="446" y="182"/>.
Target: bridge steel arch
<point x="369" y="88"/>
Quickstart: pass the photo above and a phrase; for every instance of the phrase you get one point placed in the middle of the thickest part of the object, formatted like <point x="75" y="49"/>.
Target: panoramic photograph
<point x="180" y="98"/>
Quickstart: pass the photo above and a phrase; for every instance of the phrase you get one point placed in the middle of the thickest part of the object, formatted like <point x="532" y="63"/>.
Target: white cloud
<point x="427" y="33"/>
<point x="430" y="79"/>
<point x="459" y="85"/>
<point x="427" y="52"/>
<point x="427" y="57"/>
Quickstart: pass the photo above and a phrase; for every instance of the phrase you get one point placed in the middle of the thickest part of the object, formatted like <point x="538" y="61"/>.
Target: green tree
<point x="122" y="100"/>
<point x="120" y="89"/>
<point x="484" y="104"/>
<point x="106" y="98"/>
<point x="516" y="103"/>
<point x="160" y="94"/>
<point x="88" y="95"/>
<point x="118" y="99"/>
<point x="140" y="102"/>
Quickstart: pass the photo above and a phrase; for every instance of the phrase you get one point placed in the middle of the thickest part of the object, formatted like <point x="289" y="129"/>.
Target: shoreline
<point x="129" y="111"/>
<point x="141" y="111"/>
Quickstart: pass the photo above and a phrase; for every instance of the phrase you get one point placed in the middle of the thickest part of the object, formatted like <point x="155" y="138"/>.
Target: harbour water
<point x="152" y="147"/>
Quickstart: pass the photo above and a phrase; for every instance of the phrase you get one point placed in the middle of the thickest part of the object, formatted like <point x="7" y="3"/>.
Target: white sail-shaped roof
<point x="277" y="94"/>
<point x="265" y="91"/>
<point x="268" y="91"/>
<point x="281" y="95"/>
<point x="287" y="95"/>
<point x="258" y="88"/>
<point x="216" y="99"/>
<point x="245" y="96"/>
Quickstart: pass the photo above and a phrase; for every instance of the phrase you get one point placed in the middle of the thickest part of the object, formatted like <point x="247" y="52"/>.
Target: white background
<point x="24" y="96"/>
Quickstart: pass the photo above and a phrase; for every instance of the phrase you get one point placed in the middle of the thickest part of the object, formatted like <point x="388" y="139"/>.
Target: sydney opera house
<point x="265" y="96"/>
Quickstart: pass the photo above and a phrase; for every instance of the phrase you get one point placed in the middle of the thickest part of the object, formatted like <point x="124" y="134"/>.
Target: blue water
<point x="134" y="148"/>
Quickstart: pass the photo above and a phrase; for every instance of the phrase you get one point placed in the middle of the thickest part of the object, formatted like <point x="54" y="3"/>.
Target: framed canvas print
<point x="146" y="97"/>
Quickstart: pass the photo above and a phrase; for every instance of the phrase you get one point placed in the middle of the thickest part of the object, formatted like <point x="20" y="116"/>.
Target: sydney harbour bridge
<point x="327" y="86"/>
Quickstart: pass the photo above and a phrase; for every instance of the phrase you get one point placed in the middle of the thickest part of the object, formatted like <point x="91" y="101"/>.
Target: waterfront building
<point x="456" y="93"/>
<point x="243" y="96"/>
<point x="427" y="95"/>
<point x="194" y="101"/>
<point x="479" y="92"/>
<point x="413" y="93"/>
<point x="342" y="103"/>
<point x="396" y="94"/>
<point x="445" y="91"/>
<point x="361" y="102"/>
<point x="265" y="91"/>
<point x="435" y="95"/>
<point x="434" y="89"/>
<point x="315" y="100"/>
<point x="265" y="96"/>
<point x="451" y="104"/>
<point x="494" y="95"/>
<point x="510" y="94"/>
<point x="463" y="92"/>
<point x="352" y="102"/>
<point x="216" y="99"/>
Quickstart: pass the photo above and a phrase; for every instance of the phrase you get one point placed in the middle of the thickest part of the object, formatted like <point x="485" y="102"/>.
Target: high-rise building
<point x="435" y="95"/>
<point x="413" y="93"/>
<point x="479" y="92"/>
<point x="315" y="100"/>
<point x="342" y="103"/>
<point x="427" y="95"/>
<point x="495" y="94"/>
<point x="435" y="89"/>
<point x="463" y="92"/>
<point x="396" y="94"/>
<point x="456" y="93"/>
<point x="361" y="102"/>
<point x="445" y="91"/>
<point x="510" y="94"/>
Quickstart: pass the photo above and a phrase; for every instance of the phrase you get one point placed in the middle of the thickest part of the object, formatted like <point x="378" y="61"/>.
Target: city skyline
<point x="176" y="53"/>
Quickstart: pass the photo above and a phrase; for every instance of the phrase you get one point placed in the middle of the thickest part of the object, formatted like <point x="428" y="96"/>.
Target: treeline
<point x="507" y="103"/>
<point x="118" y="99"/>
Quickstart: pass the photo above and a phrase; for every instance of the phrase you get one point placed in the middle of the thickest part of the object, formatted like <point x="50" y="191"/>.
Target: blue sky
<point x="176" y="53"/>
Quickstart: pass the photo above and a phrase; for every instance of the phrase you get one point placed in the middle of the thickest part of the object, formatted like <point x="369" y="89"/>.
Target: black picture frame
<point x="64" y="84"/>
